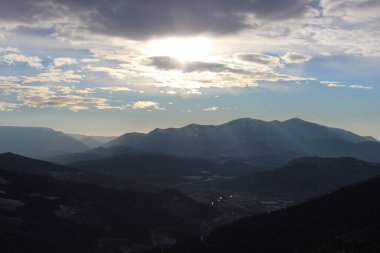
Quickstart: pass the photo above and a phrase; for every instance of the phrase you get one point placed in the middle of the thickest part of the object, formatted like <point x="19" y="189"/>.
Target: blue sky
<point x="102" y="68"/>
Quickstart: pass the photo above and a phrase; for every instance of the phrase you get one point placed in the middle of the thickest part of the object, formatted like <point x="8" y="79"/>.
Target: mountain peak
<point x="295" y="120"/>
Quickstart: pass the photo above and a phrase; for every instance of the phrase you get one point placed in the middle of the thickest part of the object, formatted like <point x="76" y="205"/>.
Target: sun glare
<point x="183" y="49"/>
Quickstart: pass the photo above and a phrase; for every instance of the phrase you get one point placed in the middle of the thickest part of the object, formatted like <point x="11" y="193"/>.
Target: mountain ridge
<point x="245" y="137"/>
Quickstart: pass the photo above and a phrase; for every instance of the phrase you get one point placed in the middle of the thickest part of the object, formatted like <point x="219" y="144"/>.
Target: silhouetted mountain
<point x="92" y="141"/>
<point x="163" y="170"/>
<point x="344" y="221"/>
<point x="251" y="138"/>
<point x="42" y="214"/>
<point x="37" y="142"/>
<point x="22" y="164"/>
<point x="306" y="177"/>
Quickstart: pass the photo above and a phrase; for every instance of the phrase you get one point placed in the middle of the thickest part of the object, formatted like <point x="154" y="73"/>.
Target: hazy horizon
<point x="179" y="125"/>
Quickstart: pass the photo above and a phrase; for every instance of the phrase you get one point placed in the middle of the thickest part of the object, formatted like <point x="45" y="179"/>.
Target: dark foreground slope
<point x="305" y="177"/>
<point x="32" y="166"/>
<point x="42" y="214"/>
<point x="347" y="220"/>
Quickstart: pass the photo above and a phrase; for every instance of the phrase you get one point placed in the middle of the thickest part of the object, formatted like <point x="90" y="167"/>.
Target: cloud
<point x="261" y="59"/>
<point x="32" y="61"/>
<point x="145" y="19"/>
<point x="114" y="88"/>
<point x="61" y="97"/>
<point x="291" y="57"/>
<point x="117" y="73"/>
<point x="169" y="63"/>
<point x="9" y="50"/>
<point x="90" y="60"/>
<point x="70" y="102"/>
<point x="352" y="11"/>
<point x="4" y="107"/>
<point x="147" y="104"/>
<point x="334" y="84"/>
<point x="50" y="76"/>
<point x="228" y="72"/>
<point x="358" y="86"/>
<point x="9" y="88"/>
<point x="356" y="42"/>
<point x="211" y="109"/>
<point x="59" y="62"/>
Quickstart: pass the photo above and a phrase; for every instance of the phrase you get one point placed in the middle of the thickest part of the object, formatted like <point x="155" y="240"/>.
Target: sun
<point x="182" y="49"/>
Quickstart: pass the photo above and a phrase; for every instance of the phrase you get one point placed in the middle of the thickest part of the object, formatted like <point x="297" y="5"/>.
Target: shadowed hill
<point x="305" y="177"/>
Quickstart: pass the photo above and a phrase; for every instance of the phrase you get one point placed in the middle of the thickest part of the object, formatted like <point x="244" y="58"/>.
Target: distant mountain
<point x="250" y="138"/>
<point x="92" y="154"/>
<point x="162" y="170"/>
<point x="304" y="178"/>
<point x="344" y="221"/>
<point x="92" y="141"/>
<point x="370" y="138"/>
<point x="37" y="142"/>
<point x="42" y="214"/>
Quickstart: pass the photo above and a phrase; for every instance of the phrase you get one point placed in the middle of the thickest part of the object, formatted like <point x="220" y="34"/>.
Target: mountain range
<point x="252" y="140"/>
<point x="264" y="143"/>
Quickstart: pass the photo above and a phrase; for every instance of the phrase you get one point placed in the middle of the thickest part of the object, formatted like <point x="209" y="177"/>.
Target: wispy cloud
<point x="358" y="86"/>
<point x="8" y="106"/>
<point x="211" y="109"/>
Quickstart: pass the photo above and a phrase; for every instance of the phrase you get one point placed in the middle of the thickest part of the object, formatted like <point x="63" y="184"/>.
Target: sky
<point x="101" y="67"/>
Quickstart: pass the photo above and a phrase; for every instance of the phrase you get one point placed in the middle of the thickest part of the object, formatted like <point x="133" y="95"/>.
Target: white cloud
<point x="70" y="102"/>
<point x="8" y="106"/>
<point x="90" y="60"/>
<point x="333" y="84"/>
<point x="352" y="11"/>
<point x="211" y="109"/>
<point x="147" y="104"/>
<point x="115" y="88"/>
<point x="13" y="58"/>
<point x="117" y="73"/>
<point x="59" y="62"/>
<point x="50" y="76"/>
<point x="358" y="86"/>
<point x="9" y="50"/>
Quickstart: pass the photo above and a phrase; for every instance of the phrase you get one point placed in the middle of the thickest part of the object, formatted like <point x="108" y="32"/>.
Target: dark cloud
<point x="169" y="63"/>
<point x="262" y="59"/>
<point x="141" y="19"/>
